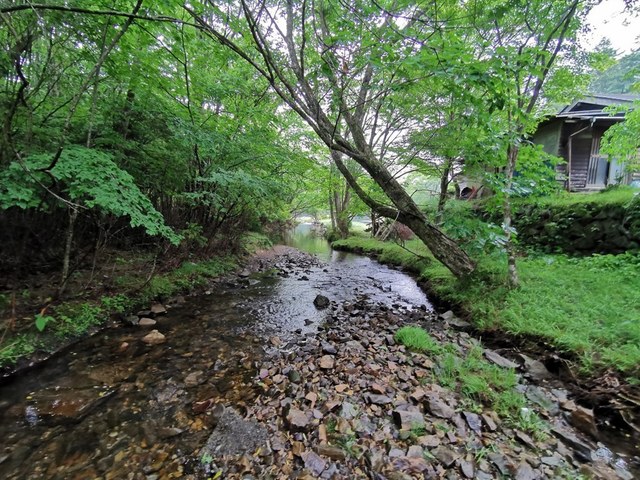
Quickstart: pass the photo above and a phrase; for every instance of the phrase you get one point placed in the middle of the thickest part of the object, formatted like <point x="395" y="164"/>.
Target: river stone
<point x="313" y="462"/>
<point x="194" y="378"/>
<point x="147" y="322"/>
<point x="334" y="453"/>
<point x="438" y="408"/>
<point x="158" y="309"/>
<point x="321" y="302"/>
<point x="326" y="362"/>
<point x="583" y="419"/>
<point x="407" y="420"/>
<point x="348" y="411"/>
<point x="499" y="359"/>
<point x="445" y="455"/>
<point x="297" y="420"/>
<point x="67" y="404"/>
<point x="377" y="399"/>
<point x="234" y="435"/>
<point x="294" y="376"/>
<point x="154" y="338"/>
<point x="329" y="348"/>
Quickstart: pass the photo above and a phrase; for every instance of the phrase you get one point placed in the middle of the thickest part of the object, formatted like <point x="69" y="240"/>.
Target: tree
<point x="333" y="76"/>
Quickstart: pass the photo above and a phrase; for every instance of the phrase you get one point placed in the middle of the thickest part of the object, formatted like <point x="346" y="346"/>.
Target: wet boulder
<point x="321" y="302"/>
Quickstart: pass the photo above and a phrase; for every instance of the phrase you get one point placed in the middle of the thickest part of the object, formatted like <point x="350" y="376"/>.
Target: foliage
<point x="119" y="303"/>
<point x="87" y="177"/>
<point x="619" y="77"/>
<point x="42" y="320"/>
<point x="622" y="140"/>
<point x="566" y="301"/>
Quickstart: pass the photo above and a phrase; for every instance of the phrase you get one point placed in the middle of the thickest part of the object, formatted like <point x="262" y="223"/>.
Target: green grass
<point x="588" y="307"/>
<point x="417" y="339"/>
<point x="621" y="195"/>
<point x="477" y="380"/>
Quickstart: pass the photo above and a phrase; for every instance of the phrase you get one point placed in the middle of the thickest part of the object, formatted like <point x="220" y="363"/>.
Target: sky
<point x="608" y="20"/>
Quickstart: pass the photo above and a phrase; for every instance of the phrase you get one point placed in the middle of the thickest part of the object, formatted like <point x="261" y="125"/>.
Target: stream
<point x="112" y="406"/>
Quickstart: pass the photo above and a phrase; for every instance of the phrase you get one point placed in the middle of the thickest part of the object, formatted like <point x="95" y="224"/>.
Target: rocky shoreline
<point x="350" y="402"/>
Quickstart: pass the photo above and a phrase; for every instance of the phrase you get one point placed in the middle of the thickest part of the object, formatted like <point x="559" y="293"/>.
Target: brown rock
<point x="438" y="408"/>
<point x="147" y="322"/>
<point x="297" y="448"/>
<point x="429" y="441"/>
<point x="406" y="420"/>
<point x="335" y="453"/>
<point x="297" y="420"/>
<point x="312" y="397"/>
<point x="489" y="422"/>
<point x="445" y="456"/>
<point x="377" y="388"/>
<point x="154" y="337"/>
<point x="326" y="362"/>
<point x="158" y="309"/>
<point x="583" y="419"/>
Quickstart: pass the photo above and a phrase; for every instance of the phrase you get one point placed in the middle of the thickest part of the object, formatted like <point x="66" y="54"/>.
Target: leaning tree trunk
<point x="445" y="249"/>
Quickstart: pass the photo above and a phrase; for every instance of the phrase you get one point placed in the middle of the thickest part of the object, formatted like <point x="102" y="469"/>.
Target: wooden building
<point x="575" y="133"/>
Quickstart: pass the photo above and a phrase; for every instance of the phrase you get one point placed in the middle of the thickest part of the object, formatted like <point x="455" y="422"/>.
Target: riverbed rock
<point x="334" y="453"/>
<point x="377" y="399"/>
<point x="64" y="405"/>
<point x="439" y="408"/>
<point x="146" y="322"/>
<point x="158" y="309"/>
<point x="314" y="463"/>
<point x="321" y="302"/>
<point x="154" y="338"/>
<point x="235" y="435"/>
<point x="297" y="420"/>
<point x="584" y="420"/>
<point x="326" y="362"/>
<point x="407" y="420"/>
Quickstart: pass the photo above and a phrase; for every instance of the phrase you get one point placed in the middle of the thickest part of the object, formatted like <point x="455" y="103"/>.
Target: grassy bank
<point x="589" y="307"/>
<point x="54" y="324"/>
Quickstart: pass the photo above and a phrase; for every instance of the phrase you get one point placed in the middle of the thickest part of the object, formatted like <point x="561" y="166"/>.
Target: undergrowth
<point x="588" y="307"/>
<point x="480" y="382"/>
<point x="135" y="289"/>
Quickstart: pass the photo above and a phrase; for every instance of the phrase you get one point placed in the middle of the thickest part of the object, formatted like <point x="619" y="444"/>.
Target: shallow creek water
<point x="113" y="407"/>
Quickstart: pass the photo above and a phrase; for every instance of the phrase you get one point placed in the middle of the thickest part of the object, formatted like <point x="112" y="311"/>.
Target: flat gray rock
<point x="234" y="435"/>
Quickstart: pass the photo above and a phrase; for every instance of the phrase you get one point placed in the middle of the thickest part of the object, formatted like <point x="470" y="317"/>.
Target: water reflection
<point x="309" y="237"/>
